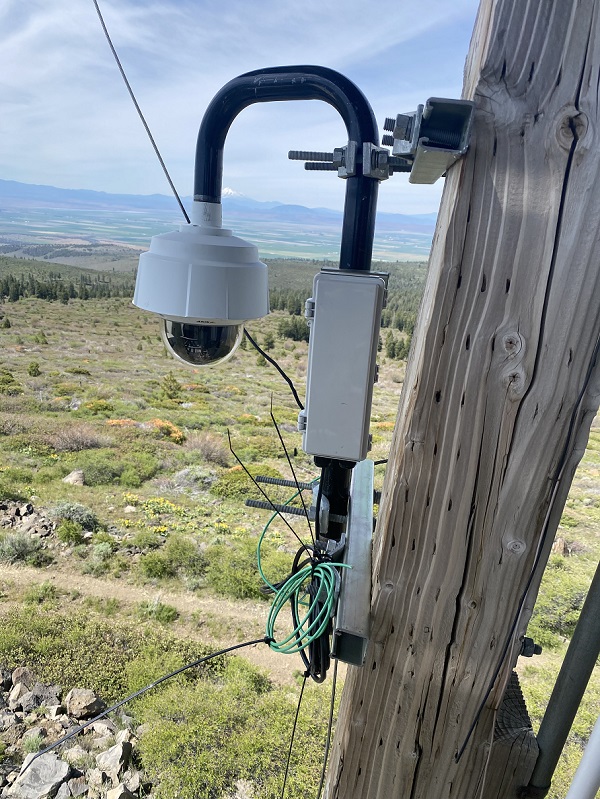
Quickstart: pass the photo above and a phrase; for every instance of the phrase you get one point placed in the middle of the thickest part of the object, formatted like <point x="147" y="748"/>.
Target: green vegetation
<point x="78" y="650"/>
<point x="186" y="751"/>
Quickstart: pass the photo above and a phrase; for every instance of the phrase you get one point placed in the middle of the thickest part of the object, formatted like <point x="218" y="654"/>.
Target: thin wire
<point x="264" y="640"/>
<point x="329" y="727"/>
<point x="139" y="110"/>
<point x="555" y="483"/>
<point x="265" y="495"/>
<point x="274" y="363"/>
<point x="273" y="588"/>
<point x="293" y="472"/>
<point x="287" y="765"/>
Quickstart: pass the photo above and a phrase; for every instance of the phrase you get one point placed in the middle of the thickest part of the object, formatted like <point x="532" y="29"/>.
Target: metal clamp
<point x="432" y="138"/>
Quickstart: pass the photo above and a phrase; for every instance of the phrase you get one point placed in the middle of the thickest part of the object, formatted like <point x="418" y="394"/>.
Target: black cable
<point x="329" y="727"/>
<point x="264" y="640"/>
<point x="293" y="471"/>
<point x="287" y="765"/>
<point x="555" y="482"/>
<point x="139" y="110"/>
<point x="264" y="493"/>
<point x="274" y="363"/>
<point x="379" y="463"/>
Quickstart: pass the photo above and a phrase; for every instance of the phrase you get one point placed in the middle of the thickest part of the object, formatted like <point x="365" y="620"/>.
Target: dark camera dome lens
<point x="201" y="345"/>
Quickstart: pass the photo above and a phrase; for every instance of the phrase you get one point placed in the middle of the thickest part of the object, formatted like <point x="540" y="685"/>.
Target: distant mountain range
<point x="237" y="206"/>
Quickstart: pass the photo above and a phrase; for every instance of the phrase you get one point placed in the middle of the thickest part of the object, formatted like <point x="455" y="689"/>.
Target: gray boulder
<point x="16" y="694"/>
<point x="39" y="695"/>
<point x="120" y="792"/>
<point x="82" y="703"/>
<point x="78" y="786"/>
<point x="22" y="675"/>
<point x="75" y="478"/>
<point x="114" y="761"/>
<point x="41" y="779"/>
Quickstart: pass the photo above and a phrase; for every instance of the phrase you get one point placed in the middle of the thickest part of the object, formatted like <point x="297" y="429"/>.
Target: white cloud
<point x="66" y="119"/>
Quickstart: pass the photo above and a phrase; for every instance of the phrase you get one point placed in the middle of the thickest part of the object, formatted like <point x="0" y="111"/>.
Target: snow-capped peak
<point x="227" y="192"/>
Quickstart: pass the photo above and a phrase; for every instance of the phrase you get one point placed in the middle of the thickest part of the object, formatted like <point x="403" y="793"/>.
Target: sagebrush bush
<point x="73" y="438"/>
<point x="211" y="446"/>
<point x="17" y="546"/>
<point x="76" y="512"/>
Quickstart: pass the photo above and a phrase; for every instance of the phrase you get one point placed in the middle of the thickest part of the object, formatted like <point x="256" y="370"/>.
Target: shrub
<point x="185" y="555"/>
<point x="75" y="512"/>
<point x="9" y="384"/>
<point x="211" y="447"/>
<point x="146" y="539"/>
<point x="18" y="546"/>
<point x="235" y="483"/>
<point x="232" y="571"/>
<point x="77" y="437"/>
<point x="157" y="611"/>
<point x="168" y="430"/>
<point x="156" y="566"/>
<point x="38" y="594"/>
<point x="69" y="532"/>
<point x="33" y="370"/>
<point x="99" y="407"/>
<point x="105" y="467"/>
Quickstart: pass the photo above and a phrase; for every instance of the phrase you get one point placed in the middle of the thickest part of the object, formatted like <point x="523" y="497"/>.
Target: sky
<point x="67" y="120"/>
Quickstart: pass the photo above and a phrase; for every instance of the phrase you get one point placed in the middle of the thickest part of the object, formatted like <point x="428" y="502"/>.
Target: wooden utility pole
<point x="500" y="391"/>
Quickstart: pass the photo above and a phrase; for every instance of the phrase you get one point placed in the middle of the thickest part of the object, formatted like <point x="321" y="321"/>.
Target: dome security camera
<point x="205" y="344"/>
<point x="205" y="283"/>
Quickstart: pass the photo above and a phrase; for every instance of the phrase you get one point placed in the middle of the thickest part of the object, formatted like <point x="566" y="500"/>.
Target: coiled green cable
<point x="316" y="619"/>
<point x="323" y="576"/>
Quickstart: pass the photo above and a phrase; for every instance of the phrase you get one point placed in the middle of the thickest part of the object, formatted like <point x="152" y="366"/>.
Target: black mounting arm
<point x="297" y="83"/>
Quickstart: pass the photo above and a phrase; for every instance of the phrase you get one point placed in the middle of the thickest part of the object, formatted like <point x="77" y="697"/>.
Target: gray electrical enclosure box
<point x="344" y="315"/>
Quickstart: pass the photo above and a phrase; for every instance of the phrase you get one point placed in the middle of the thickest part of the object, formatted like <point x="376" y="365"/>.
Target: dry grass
<point x="211" y="446"/>
<point x="75" y="437"/>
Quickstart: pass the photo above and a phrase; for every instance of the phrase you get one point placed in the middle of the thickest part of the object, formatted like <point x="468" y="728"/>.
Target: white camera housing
<point x="202" y="276"/>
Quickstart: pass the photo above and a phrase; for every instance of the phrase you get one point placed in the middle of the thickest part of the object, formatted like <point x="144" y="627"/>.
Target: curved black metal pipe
<point x="297" y="83"/>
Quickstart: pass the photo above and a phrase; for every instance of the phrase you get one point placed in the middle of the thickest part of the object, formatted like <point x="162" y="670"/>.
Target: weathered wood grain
<point x="498" y="398"/>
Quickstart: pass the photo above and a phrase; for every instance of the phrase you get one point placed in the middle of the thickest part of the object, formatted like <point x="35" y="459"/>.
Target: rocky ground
<point x="96" y="763"/>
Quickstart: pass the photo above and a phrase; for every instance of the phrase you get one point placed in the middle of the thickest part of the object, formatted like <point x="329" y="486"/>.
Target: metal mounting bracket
<point x="352" y="623"/>
<point x="432" y="138"/>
